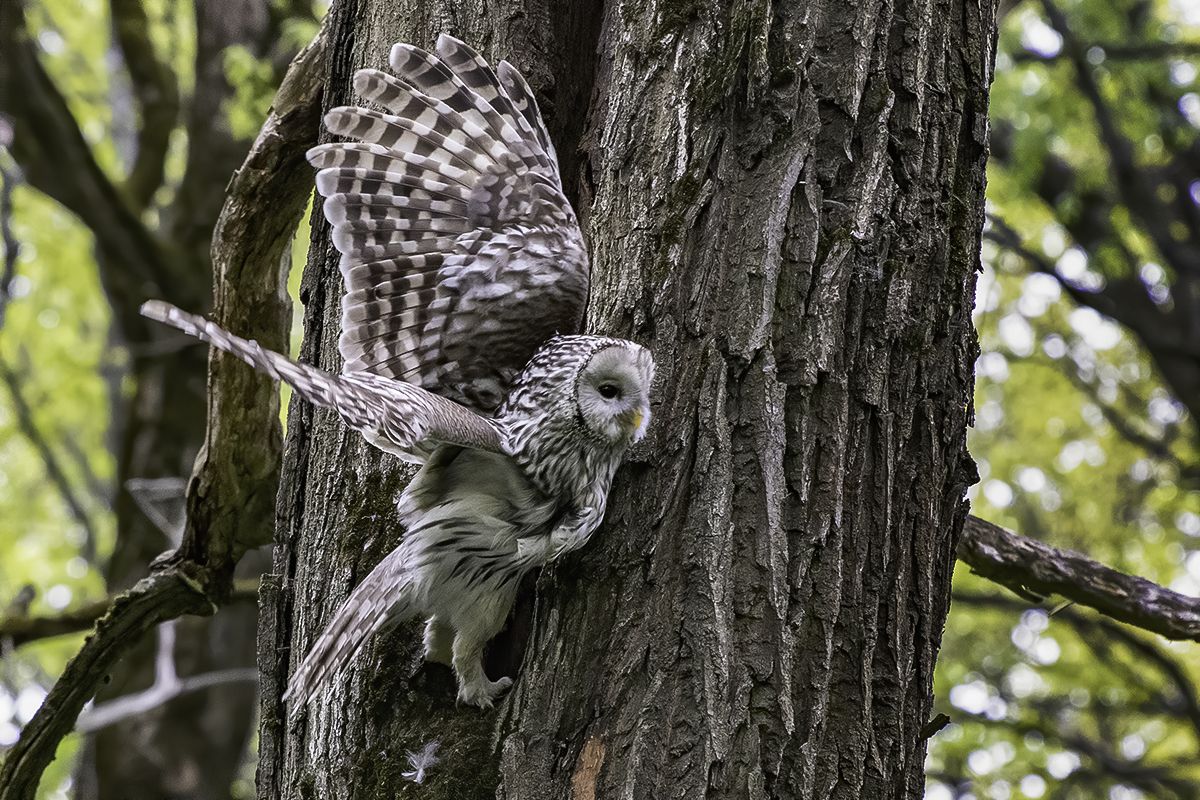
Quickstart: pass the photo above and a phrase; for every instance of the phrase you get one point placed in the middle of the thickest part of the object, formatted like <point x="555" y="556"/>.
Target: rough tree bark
<point x="784" y="201"/>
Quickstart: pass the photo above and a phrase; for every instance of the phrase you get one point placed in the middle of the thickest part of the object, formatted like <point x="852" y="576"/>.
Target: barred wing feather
<point x="396" y="417"/>
<point x="460" y="254"/>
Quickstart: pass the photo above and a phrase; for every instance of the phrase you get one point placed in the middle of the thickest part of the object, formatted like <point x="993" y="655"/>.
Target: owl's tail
<point x="384" y="598"/>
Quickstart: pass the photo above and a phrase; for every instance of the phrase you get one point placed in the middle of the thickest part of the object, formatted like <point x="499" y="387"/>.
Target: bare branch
<point x="166" y="687"/>
<point x="157" y="95"/>
<point x="228" y="510"/>
<point x="17" y="629"/>
<point x="1119" y="51"/>
<point x="161" y="596"/>
<point x="1145" y="650"/>
<point x="1139" y="193"/>
<point x="56" y="160"/>
<point x="232" y="493"/>
<point x="1025" y="565"/>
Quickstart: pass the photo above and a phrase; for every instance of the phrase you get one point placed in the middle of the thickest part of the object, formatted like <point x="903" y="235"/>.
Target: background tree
<point x="1085" y="434"/>
<point x="140" y="157"/>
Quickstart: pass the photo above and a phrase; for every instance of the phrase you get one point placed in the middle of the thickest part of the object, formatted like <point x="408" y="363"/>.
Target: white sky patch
<point x="1186" y="11"/>
<point x="981" y="762"/>
<point x="1061" y="765"/>
<point x="51" y="42"/>
<point x="28" y="702"/>
<point x="1187" y="522"/>
<point x="1023" y="681"/>
<point x="58" y="596"/>
<point x="992" y="366"/>
<point x="1133" y="747"/>
<point x="938" y="791"/>
<point x="1039" y="37"/>
<point x="1189" y="106"/>
<point x="1017" y="334"/>
<point x="1094" y="329"/>
<point x="1054" y="346"/>
<point x="1153" y="273"/>
<point x="1164" y="410"/>
<point x="1033" y="786"/>
<point x="987" y="297"/>
<point x="1182" y="73"/>
<point x="972" y="697"/>
<point x="1038" y="292"/>
<point x="1046" y="651"/>
<point x="1073" y="264"/>
<point x="1031" y="479"/>
<point x="1054" y="241"/>
<point x="998" y="493"/>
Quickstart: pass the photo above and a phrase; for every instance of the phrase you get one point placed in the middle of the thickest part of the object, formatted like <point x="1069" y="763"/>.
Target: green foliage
<point x="1078" y="440"/>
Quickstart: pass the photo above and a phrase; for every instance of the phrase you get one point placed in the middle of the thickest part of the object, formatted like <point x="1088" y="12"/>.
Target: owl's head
<point x="612" y="392"/>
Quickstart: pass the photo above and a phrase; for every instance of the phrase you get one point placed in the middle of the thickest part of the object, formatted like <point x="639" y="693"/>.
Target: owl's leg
<point x="474" y="688"/>
<point x="439" y="642"/>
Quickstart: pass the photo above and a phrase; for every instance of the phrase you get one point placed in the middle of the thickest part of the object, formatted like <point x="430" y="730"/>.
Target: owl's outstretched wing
<point x="460" y="253"/>
<point x="397" y="417"/>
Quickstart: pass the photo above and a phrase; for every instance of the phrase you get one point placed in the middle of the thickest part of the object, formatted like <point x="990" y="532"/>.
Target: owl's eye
<point x="608" y="390"/>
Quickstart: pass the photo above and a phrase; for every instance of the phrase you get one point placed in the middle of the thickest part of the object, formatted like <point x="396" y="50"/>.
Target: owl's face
<point x="613" y="392"/>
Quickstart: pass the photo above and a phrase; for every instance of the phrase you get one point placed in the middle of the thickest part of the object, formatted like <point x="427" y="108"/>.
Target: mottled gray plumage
<point x="462" y="261"/>
<point x="461" y="255"/>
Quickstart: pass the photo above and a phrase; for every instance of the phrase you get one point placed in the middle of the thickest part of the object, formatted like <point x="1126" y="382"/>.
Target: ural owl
<point x="463" y="262"/>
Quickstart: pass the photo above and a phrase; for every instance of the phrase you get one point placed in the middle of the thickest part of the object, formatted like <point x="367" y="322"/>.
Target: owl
<point x="466" y="279"/>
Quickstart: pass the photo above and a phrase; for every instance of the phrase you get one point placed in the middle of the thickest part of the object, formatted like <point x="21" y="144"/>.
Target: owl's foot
<point x="482" y="694"/>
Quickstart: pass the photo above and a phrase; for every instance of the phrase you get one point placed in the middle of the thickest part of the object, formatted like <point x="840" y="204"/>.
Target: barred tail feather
<point x="315" y="385"/>
<point x="384" y="598"/>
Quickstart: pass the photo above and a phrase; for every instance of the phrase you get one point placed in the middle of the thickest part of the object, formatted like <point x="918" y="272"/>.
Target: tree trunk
<point x="784" y="202"/>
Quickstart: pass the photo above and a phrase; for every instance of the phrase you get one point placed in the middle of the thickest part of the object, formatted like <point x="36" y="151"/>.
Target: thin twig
<point x="166" y="687"/>
<point x="1122" y="51"/>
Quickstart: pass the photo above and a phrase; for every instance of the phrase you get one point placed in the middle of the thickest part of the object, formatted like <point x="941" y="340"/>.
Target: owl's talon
<point x="483" y="694"/>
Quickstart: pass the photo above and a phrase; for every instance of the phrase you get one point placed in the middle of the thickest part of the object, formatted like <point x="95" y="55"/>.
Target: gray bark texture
<point x="784" y="201"/>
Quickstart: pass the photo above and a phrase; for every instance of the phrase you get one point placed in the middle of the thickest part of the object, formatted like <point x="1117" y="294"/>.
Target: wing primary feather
<point x="449" y="214"/>
<point x="413" y="419"/>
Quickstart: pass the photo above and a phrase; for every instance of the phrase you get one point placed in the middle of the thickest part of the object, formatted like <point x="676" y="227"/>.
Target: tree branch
<point x="232" y="493"/>
<point x="56" y="160"/>
<point x="263" y="205"/>
<point x="8" y="240"/>
<point x="1118" y="51"/>
<point x="166" y="687"/>
<point x="18" y="630"/>
<point x="1145" y="650"/>
<point x="1138" y="192"/>
<point x="1025" y="565"/>
<point x="157" y="95"/>
<point x="159" y="597"/>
